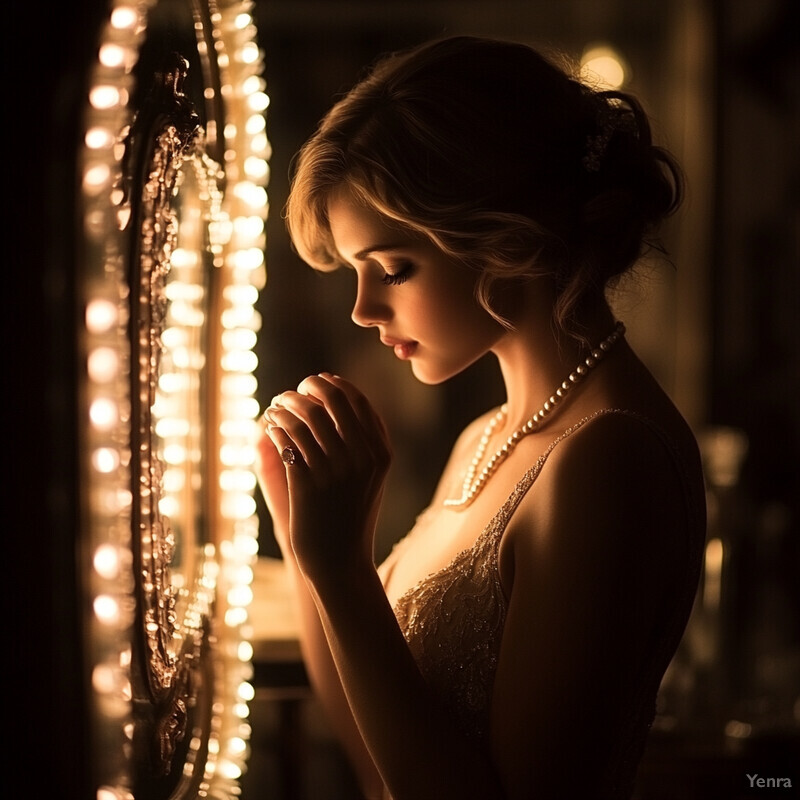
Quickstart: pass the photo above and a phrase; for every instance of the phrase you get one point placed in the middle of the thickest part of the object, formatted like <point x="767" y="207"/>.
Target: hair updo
<point x="500" y="159"/>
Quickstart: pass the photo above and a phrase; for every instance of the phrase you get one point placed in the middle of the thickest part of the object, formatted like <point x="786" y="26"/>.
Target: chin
<point x="434" y="376"/>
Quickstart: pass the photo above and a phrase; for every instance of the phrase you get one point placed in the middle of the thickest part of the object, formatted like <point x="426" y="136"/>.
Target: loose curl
<point x="480" y="146"/>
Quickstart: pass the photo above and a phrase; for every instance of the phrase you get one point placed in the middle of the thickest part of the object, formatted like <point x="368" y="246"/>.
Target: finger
<point x="296" y="428"/>
<point x="358" y="401"/>
<point x="288" y="449"/>
<point x="316" y="417"/>
<point x="350" y="410"/>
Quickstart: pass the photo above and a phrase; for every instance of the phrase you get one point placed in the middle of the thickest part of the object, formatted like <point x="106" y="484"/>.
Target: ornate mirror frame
<point x="173" y="207"/>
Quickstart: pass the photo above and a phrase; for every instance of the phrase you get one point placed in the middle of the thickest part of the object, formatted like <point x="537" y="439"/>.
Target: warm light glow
<point x="255" y="124"/>
<point x="106" y="562"/>
<point x="112" y="55"/>
<point x="101" y="316"/>
<point x="248" y="53"/>
<point x="105" y="459"/>
<point x="98" y="138"/>
<point x="105" y="97"/>
<point x="237" y="480"/>
<point x="602" y="67"/>
<point x="106" y="609"/>
<point x="712" y="586"/>
<point x="237" y="745"/>
<point x="246" y="691"/>
<point x="96" y="178"/>
<point x="238" y="385"/>
<point x="235" y="617"/>
<point x="256" y="167"/>
<point x="239" y="339"/>
<point x="253" y="84"/>
<point x="245" y="651"/>
<point x="240" y="361"/>
<point x="258" y="101"/>
<point x="237" y="506"/>
<point x="103" y="413"/>
<point x="124" y="17"/>
<point x="242" y="21"/>
<point x="251" y="227"/>
<point x="242" y="295"/>
<point x="234" y="237"/>
<point x="103" y="364"/>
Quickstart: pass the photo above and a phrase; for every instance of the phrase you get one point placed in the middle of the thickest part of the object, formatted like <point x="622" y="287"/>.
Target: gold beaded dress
<point x="453" y="622"/>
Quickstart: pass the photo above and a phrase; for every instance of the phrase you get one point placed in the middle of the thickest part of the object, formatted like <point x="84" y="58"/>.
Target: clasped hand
<point x="326" y="503"/>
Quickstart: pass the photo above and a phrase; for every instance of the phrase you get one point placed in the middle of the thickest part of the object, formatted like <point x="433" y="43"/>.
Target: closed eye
<point x="401" y="274"/>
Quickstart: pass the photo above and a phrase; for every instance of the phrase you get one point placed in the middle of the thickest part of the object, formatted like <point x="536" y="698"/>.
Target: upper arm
<point x="596" y="548"/>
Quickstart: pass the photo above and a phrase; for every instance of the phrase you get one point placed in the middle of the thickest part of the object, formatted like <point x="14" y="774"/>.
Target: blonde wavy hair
<point x="501" y="159"/>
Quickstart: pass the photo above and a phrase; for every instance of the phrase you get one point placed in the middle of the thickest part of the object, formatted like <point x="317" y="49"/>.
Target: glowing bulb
<point x="232" y="456"/>
<point x="239" y="361"/>
<point x="603" y="67"/>
<point x="106" y="562"/>
<point x="242" y="21"/>
<point x="245" y="651"/>
<point x="105" y="459"/>
<point x="111" y="55"/>
<point x="251" y="227"/>
<point x="169" y="507"/>
<point x="256" y="168"/>
<point x="101" y="316"/>
<point x="254" y="83"/>
<point x="255" y="124"/>
<point x="239" y="596"/>
<point x="124" y="17"/>
<point x="258" y="101"/>
<point x="98" y="138"/>
<point x="237" y="506"/>
<point x="102" y="364"/>
<point x="247" y="53"/>
<point x="103" y="413"/>
<point x="249" y="259"/>
<point x="106" y="609"/>
<point x="105" y="97"/>
<point x="96" y="177"/>
<point x="246" y="691"/>
<point x="175" y="427"/>
<point x="232" y="480"/>
<point x="175" y="454"/>
<point x="237" y="385"/>
<point x="174" y="480"/>
<point x="241" y="294"/>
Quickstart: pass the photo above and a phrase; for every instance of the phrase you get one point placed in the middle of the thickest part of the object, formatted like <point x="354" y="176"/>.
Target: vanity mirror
<point x="173" y="203"/>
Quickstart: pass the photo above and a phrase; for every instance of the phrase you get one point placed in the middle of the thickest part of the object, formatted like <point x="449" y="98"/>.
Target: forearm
<point x="325" y="681"/>
<point x="418" y="750"/>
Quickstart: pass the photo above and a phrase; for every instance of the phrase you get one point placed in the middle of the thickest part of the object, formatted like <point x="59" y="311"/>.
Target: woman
<point x="512" y="644"/>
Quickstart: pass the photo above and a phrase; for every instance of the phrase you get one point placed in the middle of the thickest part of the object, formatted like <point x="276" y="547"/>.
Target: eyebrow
<point x="376" y="248"/>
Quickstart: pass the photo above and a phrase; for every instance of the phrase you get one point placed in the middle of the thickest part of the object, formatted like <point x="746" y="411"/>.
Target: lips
<point x="403" y="348"/>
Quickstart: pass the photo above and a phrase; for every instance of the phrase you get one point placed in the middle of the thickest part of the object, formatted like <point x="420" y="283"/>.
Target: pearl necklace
<point x="474" y="482"/>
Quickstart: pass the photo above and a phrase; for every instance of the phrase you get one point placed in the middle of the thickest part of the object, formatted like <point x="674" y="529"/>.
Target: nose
<point x="370" y="308"/>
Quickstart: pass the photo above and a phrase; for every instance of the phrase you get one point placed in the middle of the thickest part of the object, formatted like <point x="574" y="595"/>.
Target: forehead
<point x="356" y="227"/>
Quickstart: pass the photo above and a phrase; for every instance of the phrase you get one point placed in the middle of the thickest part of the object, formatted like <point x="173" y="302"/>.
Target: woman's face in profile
<point x="421" y="301"/>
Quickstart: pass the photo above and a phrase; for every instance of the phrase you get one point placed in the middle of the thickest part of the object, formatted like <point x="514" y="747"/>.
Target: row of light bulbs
<point x="237" y="236"/>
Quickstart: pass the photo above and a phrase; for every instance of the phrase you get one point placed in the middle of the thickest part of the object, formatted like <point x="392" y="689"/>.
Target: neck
<point x="534" y="360"/>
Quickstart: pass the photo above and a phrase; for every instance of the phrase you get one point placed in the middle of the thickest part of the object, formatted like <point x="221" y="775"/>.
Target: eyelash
<point x="396" y="278"/>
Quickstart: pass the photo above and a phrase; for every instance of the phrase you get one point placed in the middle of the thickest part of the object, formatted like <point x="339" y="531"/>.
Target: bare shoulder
<point x="596" y="563"/>
<point x="621" y="486"/>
